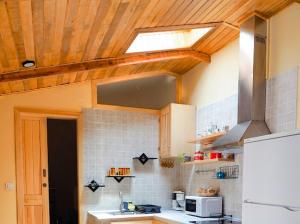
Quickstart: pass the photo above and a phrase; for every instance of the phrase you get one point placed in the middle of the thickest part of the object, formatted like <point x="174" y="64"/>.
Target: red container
<point x="199" y="156"/>
<point x="215" y="155"/>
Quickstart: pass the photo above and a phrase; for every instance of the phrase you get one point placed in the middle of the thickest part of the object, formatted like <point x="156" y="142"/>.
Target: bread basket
<point x="207" y="192"/>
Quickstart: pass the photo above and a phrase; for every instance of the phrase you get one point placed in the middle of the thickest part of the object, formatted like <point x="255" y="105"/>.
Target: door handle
<point x="44" y="173"/>
<point x="287" y="207"/>
<point x="44" y="185"/>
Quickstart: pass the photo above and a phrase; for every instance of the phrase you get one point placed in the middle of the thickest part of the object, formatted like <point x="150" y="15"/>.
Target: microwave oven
<point x="206" y="207"/>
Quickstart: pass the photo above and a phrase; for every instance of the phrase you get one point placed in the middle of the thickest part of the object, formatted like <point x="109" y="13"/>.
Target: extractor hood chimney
<point x="252" y="88"/>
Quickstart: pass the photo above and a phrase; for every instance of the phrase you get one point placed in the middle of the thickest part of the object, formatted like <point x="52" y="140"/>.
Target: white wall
<point x="209" y="83"/>
<point x="284" y="44"/>
<point x="284" y="40"/>
<point x="130" y="140"/>
<point x="203" y="85"/>
<point x="67" y="98"/>
<point x="213" y="89"/>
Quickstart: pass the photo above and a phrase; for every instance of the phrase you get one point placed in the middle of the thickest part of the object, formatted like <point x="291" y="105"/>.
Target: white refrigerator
<point x="271" y="179"/>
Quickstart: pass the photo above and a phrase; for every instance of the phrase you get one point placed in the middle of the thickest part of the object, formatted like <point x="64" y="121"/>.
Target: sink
<point x="125" y="213"/>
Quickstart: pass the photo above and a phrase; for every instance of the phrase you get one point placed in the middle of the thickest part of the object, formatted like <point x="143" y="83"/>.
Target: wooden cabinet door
<point x="165" y="132"/>
<point x="158" y="222"/>
<point x="133" y="222"/>
<point x="183" y="124"/>
<point x="31" y="164"/>
<point x="177" y="128"/>
<point x="139" y="222"/>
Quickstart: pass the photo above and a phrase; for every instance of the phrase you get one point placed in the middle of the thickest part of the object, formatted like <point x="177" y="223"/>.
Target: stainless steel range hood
<point x="252" y="88"/>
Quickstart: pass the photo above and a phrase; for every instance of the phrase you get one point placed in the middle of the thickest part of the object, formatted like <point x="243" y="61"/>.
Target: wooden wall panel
<point x="27" y="28"/>
<point x="173" y="66"/>
<point x="102" y="22"/>
<point x="9" y="58"/>
<point x="4" y="88"/>
<point x="55" y="32"/>
<point x="16" y="86"/>
<point x="218" y="39"/>
<point x="30" y="84"/>
<point x="13" y="9"/>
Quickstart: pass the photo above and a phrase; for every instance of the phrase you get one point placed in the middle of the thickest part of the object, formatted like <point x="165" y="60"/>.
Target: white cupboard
<point x="177" y="128"/>
<point x="271" y="179"/>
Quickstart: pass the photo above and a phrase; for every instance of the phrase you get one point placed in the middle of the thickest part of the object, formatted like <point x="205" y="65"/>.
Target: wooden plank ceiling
<point x="60" y="32"/>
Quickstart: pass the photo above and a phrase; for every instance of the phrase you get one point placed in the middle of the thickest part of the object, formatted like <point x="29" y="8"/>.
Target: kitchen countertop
<point x="168" y="216"/>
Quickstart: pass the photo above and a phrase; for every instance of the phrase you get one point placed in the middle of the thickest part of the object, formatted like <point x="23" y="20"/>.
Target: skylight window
<point x="166" y="40"/>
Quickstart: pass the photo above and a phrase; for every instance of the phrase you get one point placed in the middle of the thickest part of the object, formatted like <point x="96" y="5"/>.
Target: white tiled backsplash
<point x="221" y="113"/>
<point x="230" y="190"/>
<point x="281" y="114"/>
<point x="281" y="104"/>
<point x="112" y="139"/>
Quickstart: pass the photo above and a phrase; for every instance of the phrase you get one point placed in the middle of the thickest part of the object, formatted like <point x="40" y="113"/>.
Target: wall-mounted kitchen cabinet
<point x="177" y="128"/>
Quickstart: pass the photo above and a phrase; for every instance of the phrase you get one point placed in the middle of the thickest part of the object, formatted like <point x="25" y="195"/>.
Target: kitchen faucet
<point x="122" y="202"/>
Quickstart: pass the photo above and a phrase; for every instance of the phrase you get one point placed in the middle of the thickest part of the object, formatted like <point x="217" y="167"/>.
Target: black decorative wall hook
<point x="144" y="158"/>
<point x="93" y="185"/>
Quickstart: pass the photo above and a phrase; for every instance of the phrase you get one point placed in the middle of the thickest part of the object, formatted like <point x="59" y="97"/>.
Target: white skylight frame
<point x="167" y="40"/>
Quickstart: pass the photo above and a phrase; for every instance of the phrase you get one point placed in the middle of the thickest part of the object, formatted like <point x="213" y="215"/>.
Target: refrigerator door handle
<point x="289" y="208"/>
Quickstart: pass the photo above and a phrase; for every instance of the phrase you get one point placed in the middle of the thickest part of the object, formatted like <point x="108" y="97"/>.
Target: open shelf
<point x="144" y="158"/>
<point x="119" y="178"/>
<point x="148" y="158"/>
<point x="206" y="140"/>
<point x="206" y="161"/>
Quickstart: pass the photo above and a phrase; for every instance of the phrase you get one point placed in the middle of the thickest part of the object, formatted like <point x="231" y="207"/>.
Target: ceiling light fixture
<point x="28" y="63"/>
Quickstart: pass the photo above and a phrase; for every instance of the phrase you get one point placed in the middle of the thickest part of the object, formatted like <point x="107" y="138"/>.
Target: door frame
<point x="56" y="114"/>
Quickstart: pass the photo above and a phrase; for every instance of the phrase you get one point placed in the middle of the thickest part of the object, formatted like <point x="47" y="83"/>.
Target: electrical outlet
<point x="9" y="186"/>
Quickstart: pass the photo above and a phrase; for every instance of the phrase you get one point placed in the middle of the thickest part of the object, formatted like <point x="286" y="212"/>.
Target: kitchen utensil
<point x="178" y="200"/>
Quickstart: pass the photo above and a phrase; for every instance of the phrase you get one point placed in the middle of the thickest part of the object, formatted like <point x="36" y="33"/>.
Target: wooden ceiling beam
<point x="104" y="63"/>
<point x="139" y="75"/>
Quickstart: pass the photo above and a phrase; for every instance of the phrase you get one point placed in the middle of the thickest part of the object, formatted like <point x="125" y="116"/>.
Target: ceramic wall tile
<point x="281" y="103"/>
<point x="112" y="139"/>
<point x="220" y="113"/>
<point x="281" y="114"/>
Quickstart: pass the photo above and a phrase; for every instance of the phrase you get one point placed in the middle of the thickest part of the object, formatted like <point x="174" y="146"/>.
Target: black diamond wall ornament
<point x="93" y="186"/>
<point x="118" y="178"/>
<point x="143" y="158"/>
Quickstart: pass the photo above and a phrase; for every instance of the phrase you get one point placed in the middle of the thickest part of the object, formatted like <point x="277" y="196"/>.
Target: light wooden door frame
<point x="42" y="115"/>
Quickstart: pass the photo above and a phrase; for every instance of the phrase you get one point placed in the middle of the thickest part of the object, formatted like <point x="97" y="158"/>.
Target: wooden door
<point x="31" y="165"/>
<point x="165" y="132"/>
